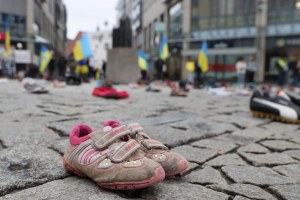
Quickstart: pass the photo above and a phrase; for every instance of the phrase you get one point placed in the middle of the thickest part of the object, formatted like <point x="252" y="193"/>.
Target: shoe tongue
<point x="111" y="124"/>
<point x="282" y="94"/>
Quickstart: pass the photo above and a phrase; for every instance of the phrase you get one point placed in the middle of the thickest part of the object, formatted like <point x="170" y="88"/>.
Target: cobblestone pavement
<point x="232" y="155"/>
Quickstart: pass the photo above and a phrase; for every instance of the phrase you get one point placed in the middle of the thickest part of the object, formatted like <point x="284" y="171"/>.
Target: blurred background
<point x="266" y="29"/>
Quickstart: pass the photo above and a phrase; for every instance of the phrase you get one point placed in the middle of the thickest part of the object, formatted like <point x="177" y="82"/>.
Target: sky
<point x="86" y="15"/>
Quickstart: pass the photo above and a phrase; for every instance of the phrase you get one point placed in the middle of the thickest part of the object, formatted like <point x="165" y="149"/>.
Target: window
<point x="175" y="20"/>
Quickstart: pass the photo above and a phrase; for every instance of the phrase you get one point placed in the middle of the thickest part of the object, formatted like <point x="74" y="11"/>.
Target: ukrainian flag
<point x="7" y="36"/>
<point x="82" y="48"/>
<point x="142" y="61"/>
<point x="45" y="57"/>
<point x="202" y="58"/>
<point x="164" y="49"/>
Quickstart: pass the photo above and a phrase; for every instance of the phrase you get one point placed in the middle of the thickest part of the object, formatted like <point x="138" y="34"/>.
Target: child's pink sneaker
<point x="110" y="158"/>
<point x="173" y="163"/>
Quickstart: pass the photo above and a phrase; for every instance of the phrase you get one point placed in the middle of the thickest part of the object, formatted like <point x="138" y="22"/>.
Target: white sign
<point x="23" y="56"/>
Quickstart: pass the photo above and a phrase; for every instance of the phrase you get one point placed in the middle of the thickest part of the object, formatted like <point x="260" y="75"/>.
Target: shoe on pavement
<point x="276" y="108"/>
<point x="110" y="158"/>
<point x="172" y="163"/>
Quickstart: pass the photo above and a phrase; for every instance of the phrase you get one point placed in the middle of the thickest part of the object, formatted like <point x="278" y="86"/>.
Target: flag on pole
<point x="45" y="57"/>
<point x="7" y="36"/>
<point x="164" y="49"/>
<point x="82" y="48"/>
<point x="142" y="60"/>
<point x="202" y="58"/>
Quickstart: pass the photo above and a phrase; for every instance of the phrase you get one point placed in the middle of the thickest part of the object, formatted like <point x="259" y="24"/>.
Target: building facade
<point x="230" y="28"/>
<point x="35" y="22"/>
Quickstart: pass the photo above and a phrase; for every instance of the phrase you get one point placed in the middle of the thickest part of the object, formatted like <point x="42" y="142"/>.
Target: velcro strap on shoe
<point x="104" y="138"/>
<point x="153" y="144"/>
<point x="123" y="152"/>
<point x="137" y="128"/>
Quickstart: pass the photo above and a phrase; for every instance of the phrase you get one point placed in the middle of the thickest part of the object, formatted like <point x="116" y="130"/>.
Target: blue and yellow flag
<point x="164" y="49"/>
<point x="82" y="48"/>
<point x="142" y="60"/>
<point x="45" y="57"/>
<point x="7" y="36"/>
<point x="202" y="58"/>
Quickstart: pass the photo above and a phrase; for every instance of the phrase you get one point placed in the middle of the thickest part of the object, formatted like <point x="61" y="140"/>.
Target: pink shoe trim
<point x="70" y="168"/>
<point x="79" y="134"/>
<point x="112" y="123"/>
<point x="158" y="177"/>
<point x="183" y="165"/>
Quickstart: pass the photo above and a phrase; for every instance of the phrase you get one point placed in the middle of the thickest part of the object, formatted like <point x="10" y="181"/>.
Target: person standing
<point x="190" y="68"/>
<point x="241" y="67"/>
<point x="104" y="68"/>
<point x="251" y="69"/>
<point x="51" y="67"/>
<point x="198" y="73"/>
<point x="62" y="64"/>
<point x="283" y="68"/>
<point x="159" y="63"/>
<point x="293" y="64"/>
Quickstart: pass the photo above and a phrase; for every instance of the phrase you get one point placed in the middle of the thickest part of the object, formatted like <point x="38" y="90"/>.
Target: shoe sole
<point x="183" y="165"/>
<point x="158" y="177"/>
<point x="274" y="117"/>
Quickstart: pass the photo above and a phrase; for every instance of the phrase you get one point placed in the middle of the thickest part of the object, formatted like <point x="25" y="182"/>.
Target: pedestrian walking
<point x="241" y="67"/>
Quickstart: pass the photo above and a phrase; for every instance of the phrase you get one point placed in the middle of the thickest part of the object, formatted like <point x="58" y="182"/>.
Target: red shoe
<point x="110" y="93"/>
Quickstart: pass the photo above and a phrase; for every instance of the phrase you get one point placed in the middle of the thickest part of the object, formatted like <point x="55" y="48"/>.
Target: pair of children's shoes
<point x="120" y="157"/>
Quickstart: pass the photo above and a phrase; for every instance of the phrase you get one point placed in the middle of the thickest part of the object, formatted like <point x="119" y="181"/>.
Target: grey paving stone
<point x="162" y="119"/>
<point x="241" y="119"/>
<point x="247" y="190"/>
<point x="175" y="190"/>
<point x="292" y="136"/>
<point x="292" y="171"/>
<point x="253" y="133"/>
<point x="224" y="160"/>
<point x="293" y="153"/>
<point x="240" y="198"/>
<point x="277" y="128"/>
<point x="204" y="128"/>
<point x="60" y="145"/>
<point x="287" y="192"/>
<point x="207" y="175"/>
<point x="253" y="148"/>
<point x="268" y="159"/>
<point x="280" y="145"/>
<point x="237" y="139"/>
<point x="195" y="154"/>
<point x="64" y="128"/>
<point x="221" y="146"/>
<point x="14" y="133"/>
<point x="171" y="137"/>
<point x="261" y="176"/>
<point x="69" y="188"/>
<point x="190" y="168"/>
<point x="24" y="166"/>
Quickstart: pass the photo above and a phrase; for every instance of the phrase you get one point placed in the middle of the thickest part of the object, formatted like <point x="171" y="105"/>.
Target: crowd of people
<point x="59" y="68"/>
<point x="288" y="71"/>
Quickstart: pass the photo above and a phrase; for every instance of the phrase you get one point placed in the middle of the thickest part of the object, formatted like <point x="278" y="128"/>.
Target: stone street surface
<point x="232" y="155"/>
